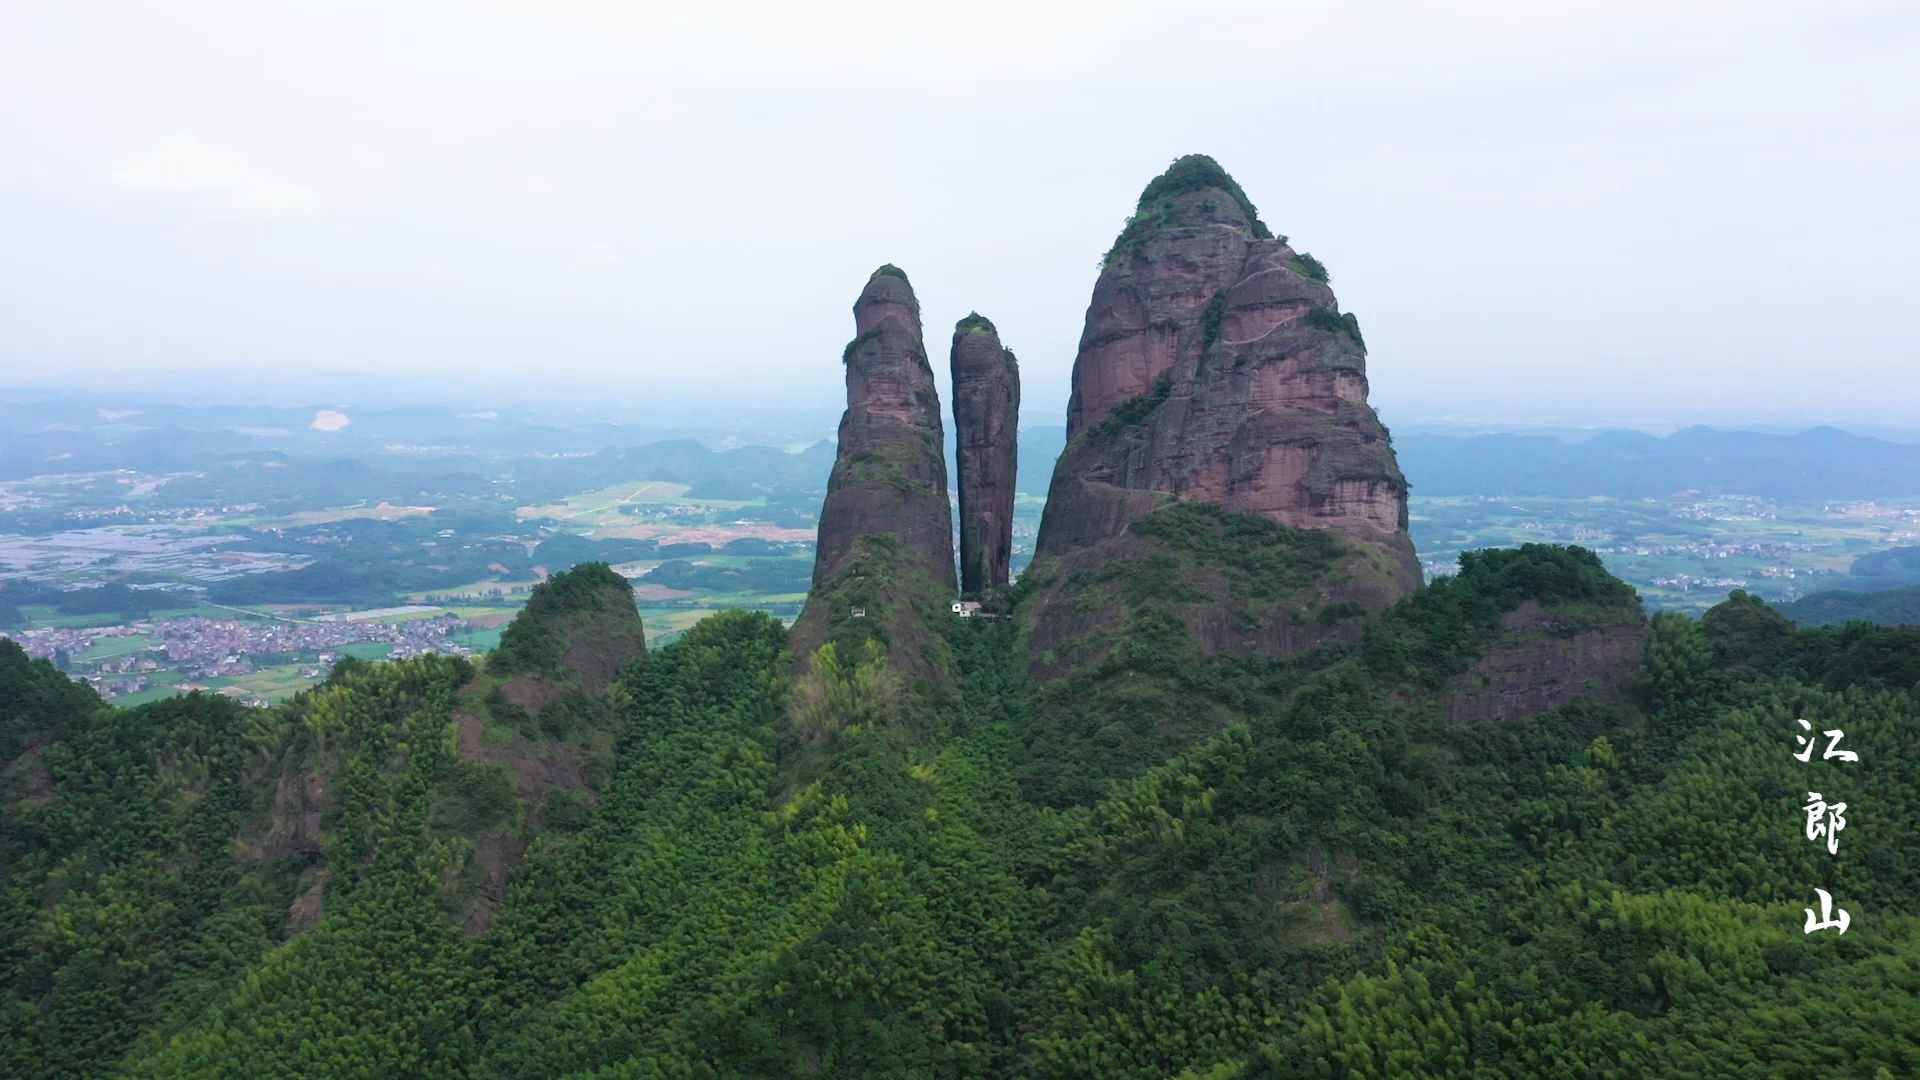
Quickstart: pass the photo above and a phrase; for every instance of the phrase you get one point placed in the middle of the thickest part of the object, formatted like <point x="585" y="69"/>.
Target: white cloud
<point x="185" y="166"/>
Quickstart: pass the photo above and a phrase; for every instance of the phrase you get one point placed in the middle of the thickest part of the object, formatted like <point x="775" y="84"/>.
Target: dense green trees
<point x="558" y="610"/>
<point x="1232" y="869"/>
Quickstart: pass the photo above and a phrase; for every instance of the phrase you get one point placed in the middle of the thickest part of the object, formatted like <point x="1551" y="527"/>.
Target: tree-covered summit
<point x="581" y="609"/>
<point x="1161" y="204"/>
<point x="974" y="322"/>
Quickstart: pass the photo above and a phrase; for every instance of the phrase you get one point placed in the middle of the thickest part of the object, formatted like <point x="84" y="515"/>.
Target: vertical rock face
<point x="986" y="412"/>
<point x="1216" y="366"/>
<point x="891" y="472"/>
<point x="886" y="529"/>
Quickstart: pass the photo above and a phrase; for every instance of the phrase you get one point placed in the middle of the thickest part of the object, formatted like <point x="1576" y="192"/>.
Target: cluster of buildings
<point x="1689" y="583"/>
<point x="1729" y="508"/>
<point x="1708" y="549"/>
<point x="205" y="648"/>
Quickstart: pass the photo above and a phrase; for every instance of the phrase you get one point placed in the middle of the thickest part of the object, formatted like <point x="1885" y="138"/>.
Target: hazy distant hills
<point x="47" y="435"/>
<point x="1890" y="607"/>
<point x="1823" y="462"/>
<point x="78" y="434"/>
<point x="1881" y="587"/>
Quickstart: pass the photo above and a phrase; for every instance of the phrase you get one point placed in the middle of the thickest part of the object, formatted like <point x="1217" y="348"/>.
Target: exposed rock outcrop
<point x="884" y="564"/>
<point x="986" y="413"/>
<point x="1216" y="366"/>
<point x="1543" y="661"/>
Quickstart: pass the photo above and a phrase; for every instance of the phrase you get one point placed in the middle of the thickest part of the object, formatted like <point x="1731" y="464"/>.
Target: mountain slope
<point x="1334" y="880"/>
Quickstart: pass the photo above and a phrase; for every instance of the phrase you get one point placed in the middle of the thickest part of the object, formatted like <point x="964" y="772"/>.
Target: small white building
<point x="966" y="609"/>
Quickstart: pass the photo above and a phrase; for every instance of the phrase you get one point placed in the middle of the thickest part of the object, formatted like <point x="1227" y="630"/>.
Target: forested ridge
<point x="1168" y="864"/>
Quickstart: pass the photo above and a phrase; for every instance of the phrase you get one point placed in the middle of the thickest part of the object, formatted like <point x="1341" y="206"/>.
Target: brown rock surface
<point x="986" y="413"/>
<point x="886" y="529"/>
<point x="890" y="475"/>
<point x="1215" y="366"/>
<point x="1543" y="662"/>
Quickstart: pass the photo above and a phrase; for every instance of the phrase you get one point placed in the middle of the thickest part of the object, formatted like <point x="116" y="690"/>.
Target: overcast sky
<point x="1620" y="210"/>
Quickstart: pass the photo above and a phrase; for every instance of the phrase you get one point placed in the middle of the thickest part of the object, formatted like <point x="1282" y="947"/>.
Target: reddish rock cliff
<point x="1543" y="661"/>
<point x="1216" y="366"/>
<point x="986" y="413"/>
<point x="886" y="528"/>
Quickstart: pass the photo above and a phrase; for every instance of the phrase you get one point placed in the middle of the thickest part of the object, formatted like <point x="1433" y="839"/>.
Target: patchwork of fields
<point x="176" y="572"/>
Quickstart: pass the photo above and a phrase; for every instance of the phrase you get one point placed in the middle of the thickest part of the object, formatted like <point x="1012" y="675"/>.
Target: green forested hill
<point x="1174" y="865"/>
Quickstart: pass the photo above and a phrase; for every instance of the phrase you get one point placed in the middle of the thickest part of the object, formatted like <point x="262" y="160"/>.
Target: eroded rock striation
<point x="885" y="557"/>
<point x="986" y="413"/>
<point x="1216" y="366"/>
<point x="1545" y="660"/>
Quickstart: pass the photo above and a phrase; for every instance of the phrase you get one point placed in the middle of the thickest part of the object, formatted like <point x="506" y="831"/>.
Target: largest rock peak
<point x="1216" y="366"/>
<point x="885" y="553"/>
<point x="1189" y="236"/>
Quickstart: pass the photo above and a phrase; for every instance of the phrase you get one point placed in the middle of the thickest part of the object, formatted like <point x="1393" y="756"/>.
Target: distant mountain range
<point x="72" y="434"/>
<point x="1822" y="462"/>
<point x="44" y="434"/>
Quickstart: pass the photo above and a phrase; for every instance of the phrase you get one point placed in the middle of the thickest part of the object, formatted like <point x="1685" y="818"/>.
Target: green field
<point x="162" y="684"/>
<point x="479" y="639"/>
<point x="107" y="647"/>
<point x="601" y="509"/>
<point x="367" y="650"/>
<point x="272" y="683"/>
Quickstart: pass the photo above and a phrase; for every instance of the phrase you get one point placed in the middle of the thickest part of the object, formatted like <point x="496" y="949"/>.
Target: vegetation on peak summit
<point x="1159" y="205"/>
<point x="974" y="322"/>
<point x="1198" y="172"/>
<point x="588" y="601"/>
<point x="1444" y="627"/>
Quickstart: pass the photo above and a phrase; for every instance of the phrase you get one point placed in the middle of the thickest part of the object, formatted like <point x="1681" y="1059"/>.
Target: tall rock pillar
<point x="986" y="414"/>
<point x="884" y="559"/>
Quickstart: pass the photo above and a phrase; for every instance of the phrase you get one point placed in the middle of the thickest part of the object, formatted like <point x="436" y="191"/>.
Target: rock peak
<point x="1194" y="191"/>
<point x="1191" y="173"/>
<point x="1217" y="367"/>
<point x="886" y="529"/>
<point x="579" y="624"/>
<point x="888" y="295"/>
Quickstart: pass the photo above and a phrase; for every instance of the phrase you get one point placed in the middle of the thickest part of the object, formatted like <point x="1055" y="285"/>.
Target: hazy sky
<point x="1538" y="210"/>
